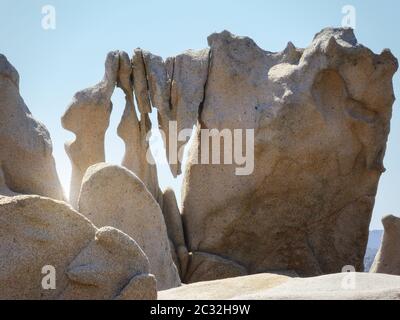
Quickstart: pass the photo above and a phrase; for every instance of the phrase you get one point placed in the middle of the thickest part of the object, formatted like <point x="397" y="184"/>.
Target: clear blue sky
<point x="54" y="64"/>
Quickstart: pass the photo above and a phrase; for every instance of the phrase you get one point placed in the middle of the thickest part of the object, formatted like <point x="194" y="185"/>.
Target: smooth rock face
<point x="89" y="263"/>
<point x="88" y="116"/>
<point x="206" y="267"/>
<point x="387" y="259"/>
<point x="277" y="287"/>
<point x="114" y="196"/>
<point x="26" y="162"/>
<point x="321" y="119"/>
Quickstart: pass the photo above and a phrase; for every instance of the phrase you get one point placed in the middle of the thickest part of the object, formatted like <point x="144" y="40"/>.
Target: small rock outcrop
<point x="387" y="260"/>
<point x="27" y="165"/>
<point x="114" y="196"/>
<point x="39" y="234"/>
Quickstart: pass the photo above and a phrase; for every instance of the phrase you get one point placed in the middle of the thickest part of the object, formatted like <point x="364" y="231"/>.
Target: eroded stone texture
<point x="321" y="119"/>
<point x="88" y="118"/>
<point x="176" y="89"/>
<point x="114" y="196"/>
<point x="26" y="162"/>
<point x="140" y="82"/>
<point x="173" y="221"/>
<point x="90" y="263"/>
<point x="136" y="134"/>
<point x="387" y="259"/>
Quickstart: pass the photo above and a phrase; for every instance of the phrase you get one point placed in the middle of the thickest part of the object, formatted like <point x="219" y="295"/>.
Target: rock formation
<point x="88" y="118"/>
<point x="89" y="263"/>
<point x="387" y="260"/>
<point x="114" y="196"/>
<point x="320" y="118"/>
<point x="26" y="162"/>
<point x="297" y="197"/>
<point x="176" y="89"/>
<point x="136" y="134"/>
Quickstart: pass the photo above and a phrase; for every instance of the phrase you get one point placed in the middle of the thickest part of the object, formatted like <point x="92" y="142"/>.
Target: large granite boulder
<point x="321" y="119"/>
<point x="114" y="196"/>
<point x="38" y="235"/>
<point x="26" y="162"/>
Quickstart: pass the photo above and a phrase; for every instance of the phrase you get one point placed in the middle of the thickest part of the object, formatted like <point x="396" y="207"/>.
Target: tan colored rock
<point x="320" y="118"/>
<point x="113" y="261"/>
<point x="89" y="263"/>
<point x="173" y="221"/>
<point x="88" y="118"/>
<point x="176" y="89"/>
<point x="26" y="162"/>
<point x="140" y="82"/>
<point x="387" y="260"/>
<point x="4" y="190"/>
<point x="114" y="196"/>
<point x="225" y="289"/>
<point x="206" y="267"/>
<point x="138" y="157"/>
<point x="136" y="134"/>
<point x="367" y="286"/>
<point x="141" y="287"/>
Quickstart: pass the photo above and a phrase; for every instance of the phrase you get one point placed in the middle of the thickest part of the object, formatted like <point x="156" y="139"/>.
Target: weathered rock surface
<point x="88" y="117"/>
<point x="321" y="119"/>
<point x="136" y="134"/>
<point x="277" y="287"/>
<point x="176" y="89"/>
<point x="114" y="196"/>
<point x="26" y="162"/>
<point x="207" y="267"/>
<point x="173" y="221"/>
<point x="140" y="82"/>
<point x="387" y="260"/>
<point x="90" y="263"/>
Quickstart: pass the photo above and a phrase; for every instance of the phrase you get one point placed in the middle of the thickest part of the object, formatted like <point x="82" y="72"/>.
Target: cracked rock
<point x="321" y="118"/>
